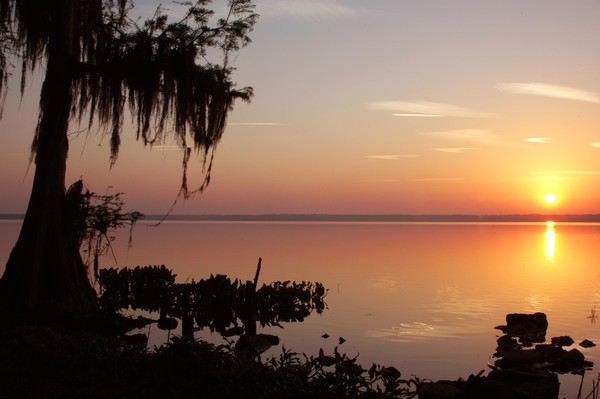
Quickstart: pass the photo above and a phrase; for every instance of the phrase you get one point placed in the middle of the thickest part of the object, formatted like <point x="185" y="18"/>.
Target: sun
<point x="550" y="198"/>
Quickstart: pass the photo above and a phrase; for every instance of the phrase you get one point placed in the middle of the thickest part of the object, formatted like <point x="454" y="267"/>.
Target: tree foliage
<point x="157" y="69"/>
<point x="95" y="217"/>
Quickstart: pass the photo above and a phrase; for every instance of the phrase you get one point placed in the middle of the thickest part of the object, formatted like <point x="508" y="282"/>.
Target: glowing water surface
<point x="423" y="297"/>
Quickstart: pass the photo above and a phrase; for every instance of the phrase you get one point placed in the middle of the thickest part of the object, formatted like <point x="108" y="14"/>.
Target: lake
<point x="423" y="297"/>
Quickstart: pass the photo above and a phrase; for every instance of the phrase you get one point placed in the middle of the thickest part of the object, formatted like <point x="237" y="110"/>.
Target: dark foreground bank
<point x="50" y="362"/>
<point x="42" y="362"/>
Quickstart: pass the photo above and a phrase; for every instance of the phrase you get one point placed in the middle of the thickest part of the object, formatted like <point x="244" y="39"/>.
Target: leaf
<point x="390" y="373"/>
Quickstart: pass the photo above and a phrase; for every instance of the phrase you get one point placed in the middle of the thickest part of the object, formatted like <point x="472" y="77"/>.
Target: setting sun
<point x="550" y="198"/>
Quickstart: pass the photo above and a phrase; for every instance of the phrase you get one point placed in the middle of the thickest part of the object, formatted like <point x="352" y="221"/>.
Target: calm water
<point x="421" y="297"/>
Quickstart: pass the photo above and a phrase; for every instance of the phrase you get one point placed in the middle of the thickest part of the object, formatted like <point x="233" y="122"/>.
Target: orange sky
<point x="378" y="107"/>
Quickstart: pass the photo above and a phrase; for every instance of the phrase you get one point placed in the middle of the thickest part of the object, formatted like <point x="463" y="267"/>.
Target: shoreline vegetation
<point x="57" y="360"/>
<point x="406" y="218"/>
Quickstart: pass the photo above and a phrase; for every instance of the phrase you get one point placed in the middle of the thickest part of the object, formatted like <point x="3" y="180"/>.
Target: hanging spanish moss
<point x="8" y="48"/>
<point x="156" y="70"/>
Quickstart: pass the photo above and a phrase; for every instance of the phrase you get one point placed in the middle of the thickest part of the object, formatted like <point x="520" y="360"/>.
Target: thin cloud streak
<point x="595" y="144"/>
<point x="426" y="109"/>
<point x="481" y="136"/>
<point x="392" y="157"/>
<point x="549" y="90"/>
<point x="542" y="140"/>
<point x="538" y="178"/>
<point x="420" y="115"/>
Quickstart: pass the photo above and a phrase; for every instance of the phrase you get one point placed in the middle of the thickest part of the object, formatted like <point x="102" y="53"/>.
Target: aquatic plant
<point x="218" y="303"/>
<point x="593" y="316"/>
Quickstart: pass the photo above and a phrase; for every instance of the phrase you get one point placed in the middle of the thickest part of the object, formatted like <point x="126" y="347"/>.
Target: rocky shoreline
<point x="525" y="366"/>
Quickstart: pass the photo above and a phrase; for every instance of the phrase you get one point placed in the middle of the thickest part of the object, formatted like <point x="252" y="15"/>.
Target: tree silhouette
<point x="99" y="63"/>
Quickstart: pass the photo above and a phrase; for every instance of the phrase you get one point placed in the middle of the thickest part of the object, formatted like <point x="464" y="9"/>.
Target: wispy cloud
<point x="479" y="136"/>
<point x="595" y="144"/>
<point x="426" y="109"/>
<point x="305" y="9"/>
<point x="392" y="157"/>
<point x="455" y="149"/>
<point x="542" y="140"/>
<point x="549" y="90"/>
<point x="420" y="115"/>
<point x="256" y="124"/>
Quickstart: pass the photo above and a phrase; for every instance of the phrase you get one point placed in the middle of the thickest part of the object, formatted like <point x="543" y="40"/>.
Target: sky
<point x="374" y="107"/>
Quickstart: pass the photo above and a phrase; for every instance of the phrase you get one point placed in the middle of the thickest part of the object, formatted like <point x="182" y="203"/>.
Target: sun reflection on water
<point x="550" y="241"/>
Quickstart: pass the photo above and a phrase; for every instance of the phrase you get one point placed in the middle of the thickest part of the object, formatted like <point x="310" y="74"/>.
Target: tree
<point x="98" y="63"/>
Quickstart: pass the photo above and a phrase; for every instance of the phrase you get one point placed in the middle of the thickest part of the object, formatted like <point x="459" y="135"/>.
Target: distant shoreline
<point x="456" y="218"/>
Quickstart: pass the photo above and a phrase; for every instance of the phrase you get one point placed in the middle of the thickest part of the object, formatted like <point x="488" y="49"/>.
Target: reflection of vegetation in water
<point x="218" y="303"/>
<point x="593" y="316"/>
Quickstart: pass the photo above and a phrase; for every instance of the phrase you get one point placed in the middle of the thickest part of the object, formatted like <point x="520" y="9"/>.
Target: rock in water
<point x="564" y="340"/>
<point x="528" y="327"/>
<point x="586" y="343"/>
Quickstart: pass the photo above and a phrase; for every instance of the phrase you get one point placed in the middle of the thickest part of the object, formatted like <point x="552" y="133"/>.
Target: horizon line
<point x="348" y="217"/>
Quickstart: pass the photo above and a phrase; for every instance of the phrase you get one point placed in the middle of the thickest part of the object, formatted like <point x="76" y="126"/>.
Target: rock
<point x="572" y="361"/>
<point x="586" y="343"/>
<point x="528" y="384"/>
<point x="519" y="370"/>
<point x="506" y="343"/>
<point x="528" y="327"/>
<point x="484" y="387"/>
<point x="549" y="351"/>
<point x="501" y="328"/>
<point x="536" y="321"/>
<point x="519" y="358"/>
<point x="564" y="340"/>
<point x="574" y="356"/>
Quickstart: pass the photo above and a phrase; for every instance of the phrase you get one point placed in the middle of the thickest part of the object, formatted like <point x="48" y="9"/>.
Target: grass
<point x="594" y="393"/>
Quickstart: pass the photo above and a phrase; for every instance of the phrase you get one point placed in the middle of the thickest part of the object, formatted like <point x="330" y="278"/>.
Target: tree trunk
<point x="45" y="268"/>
